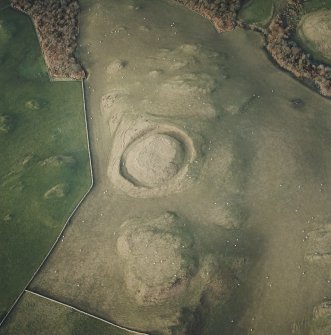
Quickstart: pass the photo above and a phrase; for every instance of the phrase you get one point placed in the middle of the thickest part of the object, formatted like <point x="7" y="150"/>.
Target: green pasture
<point x="261" y="11"/>
<point x="311" y="5"/>
<point x="257" y="11"/>
<point x="39" y="316"/>
<point x="43" y="147"/>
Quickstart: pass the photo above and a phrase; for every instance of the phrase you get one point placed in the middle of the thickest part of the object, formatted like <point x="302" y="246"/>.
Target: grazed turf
<point x="41" y="119"/>
<point x="257" y="11"/>
<point x="311" y="5"/>
<point x="38" y="316"/>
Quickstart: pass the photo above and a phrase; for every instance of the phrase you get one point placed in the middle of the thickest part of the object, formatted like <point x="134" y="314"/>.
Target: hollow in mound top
<point x="153" y="160"/>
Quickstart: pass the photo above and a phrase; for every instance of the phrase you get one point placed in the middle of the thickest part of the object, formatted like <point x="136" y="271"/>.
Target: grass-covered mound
<point x="5" y="124"/>
<point x="314" y="31"/>
<point x="159" y="255"/>
<point x="163" y="268"/>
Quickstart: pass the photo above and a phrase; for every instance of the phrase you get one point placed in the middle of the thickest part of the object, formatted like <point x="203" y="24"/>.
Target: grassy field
<point x="56" y="319"/>
<point x="261" y="11"/>
<point x="257" y="11"/>
<point x="44" y="169"/>
<point x="311" y="5"/>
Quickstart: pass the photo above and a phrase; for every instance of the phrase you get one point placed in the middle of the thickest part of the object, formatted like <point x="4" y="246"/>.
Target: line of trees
<point x="56" y="23"/>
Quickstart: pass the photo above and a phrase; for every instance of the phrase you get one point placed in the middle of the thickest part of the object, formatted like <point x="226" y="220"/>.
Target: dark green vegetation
<point x="257" y="11"/>
<point x="311" y="5"/>
<point x="44" y="168"/>
<point x="261" y="11"/>
<point x="38" y="316"/>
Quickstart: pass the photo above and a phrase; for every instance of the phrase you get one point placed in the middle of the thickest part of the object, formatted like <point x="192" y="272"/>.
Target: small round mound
<point x="116" y="66"/>
<point x="57" y="191"/>
<point x="32" y="104"/>
<point x="315" y="32"/>
<point x="5" y="124"/>
<point x="59" y="161"/>
<point x="153" y="159"/>
<point x="158" y="256"/>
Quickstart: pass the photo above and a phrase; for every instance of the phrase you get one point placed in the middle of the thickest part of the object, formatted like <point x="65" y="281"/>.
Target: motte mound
<point x="162" y="267"/>
<point x="159" y="257"/>
<point x="152" y="160"/>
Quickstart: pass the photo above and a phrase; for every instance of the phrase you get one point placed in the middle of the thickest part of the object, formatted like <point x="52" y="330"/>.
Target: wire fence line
<point x="67" y="221"/>
<point x="131" y="331"/>
<point x="25" y="289"/>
